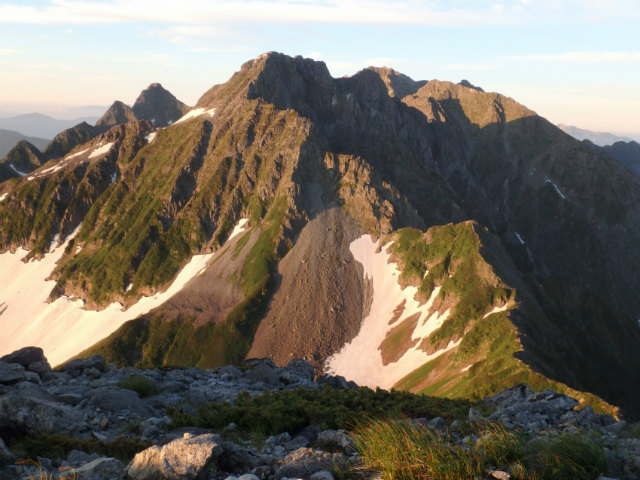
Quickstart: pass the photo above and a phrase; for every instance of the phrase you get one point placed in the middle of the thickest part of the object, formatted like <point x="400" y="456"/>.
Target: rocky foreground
<point x="90" y="402"/>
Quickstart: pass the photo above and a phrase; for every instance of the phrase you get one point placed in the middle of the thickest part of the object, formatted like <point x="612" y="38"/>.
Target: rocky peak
<point x="398" y="84"/>
<point x="468" y="84"/>
<point x="290" y="82"/>
<point x="159" y="106"/>
<point x="117" y="113"/>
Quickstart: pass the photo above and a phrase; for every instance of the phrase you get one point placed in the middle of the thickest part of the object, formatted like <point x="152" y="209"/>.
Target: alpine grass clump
<point x="402" y="450"/>
<point x="139" y="384"/>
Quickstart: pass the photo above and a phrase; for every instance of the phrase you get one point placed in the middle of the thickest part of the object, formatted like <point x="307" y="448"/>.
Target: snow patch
<point x="3" y="196"/>
<point x="74" y="155"/>
<point x="519" y="238"/>
<point x="114" y="175"/>
<point x="239" y="228"/>
<point x="22" y="174"/>
<point x="30" y="178"/>
<point x="129" y="287"/>
<point x="504" y="307"/>
<point x="150" y="137"/>
<point x="360" y="360"/>
<point x="557" y="189"/>
<point x="64" y="328"/>
<point x="196" y="112"/>
<point x="467" y="368"/>
<point x="101" y="150"/>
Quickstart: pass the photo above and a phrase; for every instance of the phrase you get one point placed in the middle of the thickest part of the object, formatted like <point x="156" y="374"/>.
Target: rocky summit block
<point x="185" y="458"/>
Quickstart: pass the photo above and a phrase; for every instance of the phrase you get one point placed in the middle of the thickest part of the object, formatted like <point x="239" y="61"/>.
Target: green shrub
<point x="139" y="384"/>
<point x="292" y="410"/>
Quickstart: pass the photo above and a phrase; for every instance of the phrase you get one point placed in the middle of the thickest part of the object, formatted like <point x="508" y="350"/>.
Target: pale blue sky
<point x="575" y="62"/>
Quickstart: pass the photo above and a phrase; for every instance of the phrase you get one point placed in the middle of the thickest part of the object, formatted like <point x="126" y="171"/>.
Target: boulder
<point x="36" y="415"/>
<point x="297" y="371"/>
<point x="186" y="458"/>
<point x="76" y="366"/>
<point x="336" y="438"/>
<point x="509" y="397"/>
<point x="304" y="462"/>
<point x="116" y="400"/>
<point x="263" y="372"/>
<point x="25" y="356"/>
<point x="11" y="372"/>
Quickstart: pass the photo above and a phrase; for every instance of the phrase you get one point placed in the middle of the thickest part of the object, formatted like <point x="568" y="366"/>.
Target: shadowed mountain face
<point x="626" y="152"/>
<point x="428" y="235"/>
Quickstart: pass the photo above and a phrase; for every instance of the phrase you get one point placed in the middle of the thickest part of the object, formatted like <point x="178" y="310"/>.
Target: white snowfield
<point x="3" y="196"/>
<point x="101" y="150"/>
<point x="360" y="360"/>
<point x="149" y="138"/>
<point x="196" y="112"/>
<point x="64" y="328"/>
<point x="74" y="155"/>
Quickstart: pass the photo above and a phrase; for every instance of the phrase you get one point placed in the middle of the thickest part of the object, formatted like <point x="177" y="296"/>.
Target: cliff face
<point x="476" y="243"/>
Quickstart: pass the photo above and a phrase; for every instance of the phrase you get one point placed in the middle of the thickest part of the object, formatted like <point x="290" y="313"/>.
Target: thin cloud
<point x="468" y="67"/>
<point x="8" y="51"/>
<point x="581" y="57"/>
<point x="199" y="12"/>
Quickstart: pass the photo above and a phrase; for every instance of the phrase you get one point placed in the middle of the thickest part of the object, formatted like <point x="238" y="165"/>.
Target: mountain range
<point x="598" y="138"/>
<point x="41" y="125"/>
<point x="9" y="138"/>
<point x="420" y="235"/>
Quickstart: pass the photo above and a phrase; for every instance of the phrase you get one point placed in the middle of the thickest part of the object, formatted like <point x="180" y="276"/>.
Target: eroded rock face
<point x="185" y="458"/>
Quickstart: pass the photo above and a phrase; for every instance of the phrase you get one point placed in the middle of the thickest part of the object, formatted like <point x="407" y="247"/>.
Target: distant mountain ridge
<point x="40" y="125"/>
<point x="154" y="101"/>
<point x="9" y="138"/>
<point x="427" y="236"/>
<point x="598" y="138"/>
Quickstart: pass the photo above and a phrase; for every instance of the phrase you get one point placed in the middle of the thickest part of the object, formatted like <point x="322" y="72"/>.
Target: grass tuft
<point x="139" y="384"/>
<point x="400" y="450"/>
